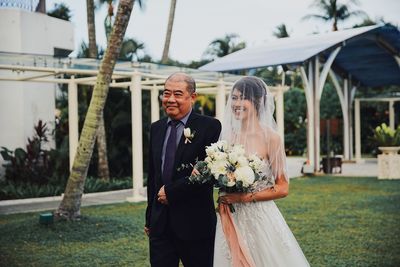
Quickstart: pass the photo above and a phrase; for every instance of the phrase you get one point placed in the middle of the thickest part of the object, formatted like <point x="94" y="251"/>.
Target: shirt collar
<point x="184" y="119"/>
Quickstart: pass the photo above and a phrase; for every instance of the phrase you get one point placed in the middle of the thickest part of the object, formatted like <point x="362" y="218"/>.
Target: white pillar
<point x="391" y="114"/>
<point x="343" y="97"/>
<point x="351" y="121"/>
<point x="310" y="111"/>
<point x="357" y="123"/>
<point x="137" y="144"/>
<point x="155" y="107"/>
<point x="220" y="101"/>
<point x="315" y="86"/>
<point x="280" y="112"/>
<point x="73" y="120"/>
<point x="346" y="124"/>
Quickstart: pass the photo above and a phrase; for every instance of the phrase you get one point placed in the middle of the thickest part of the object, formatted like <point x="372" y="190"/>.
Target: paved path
<point x="368" y="168"/>
<point x="51" y="203"/>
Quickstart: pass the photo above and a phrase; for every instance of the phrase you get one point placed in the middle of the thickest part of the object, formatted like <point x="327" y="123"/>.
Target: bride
<point x="256" y="234"/>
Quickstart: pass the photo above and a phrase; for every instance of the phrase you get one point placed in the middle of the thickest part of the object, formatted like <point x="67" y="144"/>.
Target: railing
<point x="29" y="5"/>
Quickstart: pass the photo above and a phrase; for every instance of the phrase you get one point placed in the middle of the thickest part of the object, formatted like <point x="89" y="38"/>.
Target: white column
<point x="357" y="123"/>
<point x="351" y="121"/>
<point x="155" y="107"/>
<point x="391" y="114"/>
<point x="137" y="145"/>
<point x="343" y="97"/>
<point x="310" y="111"/>
<point x="73" y="120"/>
<point x="315" y="85"/>
<point x="280" y="112"/>
<point x="220" y="101"/>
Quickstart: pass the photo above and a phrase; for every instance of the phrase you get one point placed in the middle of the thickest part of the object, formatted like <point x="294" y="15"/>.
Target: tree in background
<point x="91" y="29"/>
<point x="281" y="31"/>
<point x="168" y="35"/>
<point x="60" y="11"/>
<point x="295" y="109"/>
<point x="70" y="205"/>
<point x="101" y="141"/>
<point x="224" y="46"/>
<point x="130" y="50"/>
<point x="332" y="11"/>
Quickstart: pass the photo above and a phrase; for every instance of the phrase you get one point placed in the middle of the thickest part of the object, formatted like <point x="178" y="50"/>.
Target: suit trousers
<point x="167" y="249"/>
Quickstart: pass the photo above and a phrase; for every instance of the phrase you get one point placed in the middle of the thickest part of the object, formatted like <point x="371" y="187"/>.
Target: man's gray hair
<point x="190" y="82"/>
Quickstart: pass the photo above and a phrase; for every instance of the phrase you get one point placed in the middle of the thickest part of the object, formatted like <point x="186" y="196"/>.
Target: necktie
<point x="169" y="158"/>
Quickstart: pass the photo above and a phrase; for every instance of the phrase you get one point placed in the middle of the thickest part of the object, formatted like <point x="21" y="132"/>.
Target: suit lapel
<point x="182" y="146"/>
<point x="158" y="144"/>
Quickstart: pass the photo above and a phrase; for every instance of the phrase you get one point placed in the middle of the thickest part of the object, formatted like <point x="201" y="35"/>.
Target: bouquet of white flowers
<point x="228" y="168"/>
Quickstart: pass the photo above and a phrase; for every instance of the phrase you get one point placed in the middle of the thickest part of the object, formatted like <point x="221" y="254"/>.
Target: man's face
<point x="176" y="99"/>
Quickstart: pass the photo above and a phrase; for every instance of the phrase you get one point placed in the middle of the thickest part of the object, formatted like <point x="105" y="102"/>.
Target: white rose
<point x="218" y="167"/>
<point x="187" y="133"/>
<point x="233" y="157"/>
<point x="238" y="149"/>
<point x="245" y="174"/>
<point x="220" y="156"/>
<point x="242" y="161"/>
<point x="255" y="162"/>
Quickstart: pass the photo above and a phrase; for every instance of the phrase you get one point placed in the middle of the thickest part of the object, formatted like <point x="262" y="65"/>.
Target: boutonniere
<point x="188" y="135"/>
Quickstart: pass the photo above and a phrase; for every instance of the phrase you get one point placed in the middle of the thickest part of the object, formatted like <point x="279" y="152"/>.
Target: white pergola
<point x="357" y="118"/>
<point x="132" y="75"/>
<point x="362" y="56"/>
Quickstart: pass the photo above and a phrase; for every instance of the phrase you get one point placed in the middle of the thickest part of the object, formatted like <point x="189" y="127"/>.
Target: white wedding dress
<point x="266" y="235"/>
<point x="249" y="121"/>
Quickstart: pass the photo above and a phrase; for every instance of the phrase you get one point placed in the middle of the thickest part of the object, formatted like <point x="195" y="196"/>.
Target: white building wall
<point x="22" y="104"/>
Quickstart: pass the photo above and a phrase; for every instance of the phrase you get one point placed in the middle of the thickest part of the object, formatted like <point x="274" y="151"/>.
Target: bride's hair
<point x="252" y="89"/>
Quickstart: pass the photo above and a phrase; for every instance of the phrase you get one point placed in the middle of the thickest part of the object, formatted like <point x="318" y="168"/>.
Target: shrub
<point x="34" y="164"/>
<point x="386" y="136"/>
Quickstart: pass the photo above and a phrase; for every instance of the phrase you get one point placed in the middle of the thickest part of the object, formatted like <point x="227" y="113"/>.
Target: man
<point x="180" y="217"/>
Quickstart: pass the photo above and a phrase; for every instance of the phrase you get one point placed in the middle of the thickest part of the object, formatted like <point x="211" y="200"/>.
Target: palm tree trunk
<point x="70" y="204"/>
<point x="164" y="59"/>
<point x="91" y="29"/>
<point x="102" y="168"/>
<point x="334" y="27"/>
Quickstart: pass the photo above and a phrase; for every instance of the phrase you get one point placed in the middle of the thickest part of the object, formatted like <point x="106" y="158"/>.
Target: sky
<point x="198" y="23"/>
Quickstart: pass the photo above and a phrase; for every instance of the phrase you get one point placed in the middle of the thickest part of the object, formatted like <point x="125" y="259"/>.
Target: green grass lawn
<point x="337" y="221"/>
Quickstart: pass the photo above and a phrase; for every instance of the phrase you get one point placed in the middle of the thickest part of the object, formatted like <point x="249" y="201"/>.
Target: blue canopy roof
<point x="368" y="54"/>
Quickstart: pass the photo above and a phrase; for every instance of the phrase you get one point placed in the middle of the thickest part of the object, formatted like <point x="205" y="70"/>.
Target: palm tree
<point x="281" y="31"/>
<point x="223" y="46"/>
<point x="60" y="11"/>
<point x="130" y="49"/>
<point x="367" y="21"/>
<point x="333" y="11"/>
<point x="103" y="170"/>
<point x="70" y="205"/>
<point x="171" y="17"/>
<point x="108" y="21"/>
<point x="91" y="28"/>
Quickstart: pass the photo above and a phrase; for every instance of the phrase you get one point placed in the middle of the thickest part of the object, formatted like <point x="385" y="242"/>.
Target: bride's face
<point x="241" y="108"/>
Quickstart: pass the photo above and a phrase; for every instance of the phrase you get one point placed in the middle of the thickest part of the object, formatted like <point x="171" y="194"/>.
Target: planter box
<point x="389" y="163"/>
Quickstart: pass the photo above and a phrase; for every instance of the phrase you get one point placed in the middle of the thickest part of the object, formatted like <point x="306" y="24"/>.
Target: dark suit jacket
<point x="191" y="211"/>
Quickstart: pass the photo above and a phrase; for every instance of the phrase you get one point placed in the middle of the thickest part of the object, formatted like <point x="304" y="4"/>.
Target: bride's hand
<point x="232" y="198"/>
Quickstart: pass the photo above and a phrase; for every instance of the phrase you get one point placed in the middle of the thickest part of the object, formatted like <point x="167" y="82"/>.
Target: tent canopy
<point x="369" y="54"/>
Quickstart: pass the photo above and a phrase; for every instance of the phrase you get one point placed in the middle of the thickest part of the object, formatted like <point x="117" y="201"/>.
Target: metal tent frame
<point x="367" y="56"/>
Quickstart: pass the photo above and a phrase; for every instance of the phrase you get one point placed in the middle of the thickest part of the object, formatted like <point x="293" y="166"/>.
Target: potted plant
<point x="388" y="141"/>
